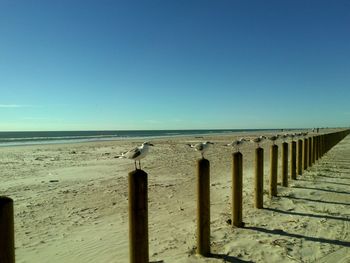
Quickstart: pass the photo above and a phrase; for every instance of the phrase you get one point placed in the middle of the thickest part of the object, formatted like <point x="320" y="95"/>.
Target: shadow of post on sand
<point x="314" y="239"/>
<point x="228" y="258"/>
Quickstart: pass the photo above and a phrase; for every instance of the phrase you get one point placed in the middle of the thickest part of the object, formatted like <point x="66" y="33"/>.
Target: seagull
<point x="305" y="134"/>
<point x="273" y="138"/>
<point x="298" y="134"/>
<point x="237" y="143"/>
<point x="285" y="136"/>
<point x="258" y="140"/>
<point x="136" y="153"/>
<point x="201" y="147"/>
<point x="292" y="135"/>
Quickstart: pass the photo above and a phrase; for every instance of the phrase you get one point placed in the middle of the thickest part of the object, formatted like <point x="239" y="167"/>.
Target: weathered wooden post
<point x="324" y="144"/>
<point x="293" y="160"/>
<point x="138" y="217"/>
<point x="317" y="147"/>
<point x="203" y="207"/>
<point x="310" y="152"/>
<point x="285" y="164"/>
<point x="7" y="232"/>
<point x="237" y="185"/>
<point x="312" y="139"/>
<point x="259" y="178"/>
<point x="273" y="169"/>
<point x="305" y="153"/>
<point x="314" y="149"/>
<point x="300" y="157"/>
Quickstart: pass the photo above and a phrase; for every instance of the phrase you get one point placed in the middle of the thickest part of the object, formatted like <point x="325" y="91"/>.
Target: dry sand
<point x="82" y="215"/>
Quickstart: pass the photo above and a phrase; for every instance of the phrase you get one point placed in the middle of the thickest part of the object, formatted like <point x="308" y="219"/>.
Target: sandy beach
<point x="71" y="204"/>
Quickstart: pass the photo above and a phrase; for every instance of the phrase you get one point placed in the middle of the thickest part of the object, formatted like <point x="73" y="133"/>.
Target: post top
<point x="202" y="160"/>
<point x="138" y="172"/>
<point x="5" y="200"/>
<point x="236" y="153"/>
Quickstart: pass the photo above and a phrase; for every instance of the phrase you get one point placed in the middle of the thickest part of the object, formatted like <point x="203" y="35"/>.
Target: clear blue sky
<point x="174" y="64"/>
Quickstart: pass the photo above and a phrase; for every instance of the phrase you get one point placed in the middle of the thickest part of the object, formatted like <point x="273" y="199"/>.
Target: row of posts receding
<point x="303" y="154"/>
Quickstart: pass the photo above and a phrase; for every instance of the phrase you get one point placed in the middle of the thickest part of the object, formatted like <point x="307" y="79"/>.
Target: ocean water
<point x="54" y="137"/>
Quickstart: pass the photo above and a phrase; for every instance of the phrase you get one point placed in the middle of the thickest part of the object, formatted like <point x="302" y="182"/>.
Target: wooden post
<point x="285" y="164"/>
<point x="237" y="185"/>
<point x="259" y="178"/>
<point x="310" y="152"/>
<point x="300" y="157"/>
<point x="138" y="217"/>
<point x="323" y="143"/>
<point x="312" y="139"/>
<point x="293" y="160"/>
<point x="273" y="169"/>
<point x="314" y="149"/>
<point x="319" y="147"/>
<point x="203" y="207"/>
<point x="7" y="232"/>
<point x="305" y="153"/>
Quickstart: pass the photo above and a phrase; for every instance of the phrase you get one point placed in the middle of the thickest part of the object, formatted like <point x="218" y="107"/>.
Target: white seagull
<point x="201" y="147"/>
<point x="237" y="143"/>
<point x="258" y="140"/>
<point x="136" y="153"/>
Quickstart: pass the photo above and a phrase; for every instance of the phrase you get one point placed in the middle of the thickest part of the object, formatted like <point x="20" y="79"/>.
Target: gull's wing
<point x="133" y="153"/>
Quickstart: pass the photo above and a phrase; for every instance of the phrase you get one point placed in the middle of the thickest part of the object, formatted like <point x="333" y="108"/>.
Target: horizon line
<point x="200" y="129"/>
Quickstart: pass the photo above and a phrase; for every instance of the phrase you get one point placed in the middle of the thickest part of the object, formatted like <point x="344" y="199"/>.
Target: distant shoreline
<point x="10" y="139"/>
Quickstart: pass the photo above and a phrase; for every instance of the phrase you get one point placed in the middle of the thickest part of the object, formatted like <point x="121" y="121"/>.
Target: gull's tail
<point x="121" y="156"/>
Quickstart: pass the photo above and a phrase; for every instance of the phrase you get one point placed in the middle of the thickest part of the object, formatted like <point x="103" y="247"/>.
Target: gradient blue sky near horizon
<point x="166" y="64"/>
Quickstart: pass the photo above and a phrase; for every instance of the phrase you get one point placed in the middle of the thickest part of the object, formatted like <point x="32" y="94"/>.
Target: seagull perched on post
<point x="273" y="138"/>
<point x="304" y="134"/>
<point x="298" y="134"/>
<point x="285" y="136"/>
<point x="136" y="153"/>
<point x="292" y="136"/>
<point x="201" y="147"/>
<point x="258" y="140"/>
<point x="237" y="143"/>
